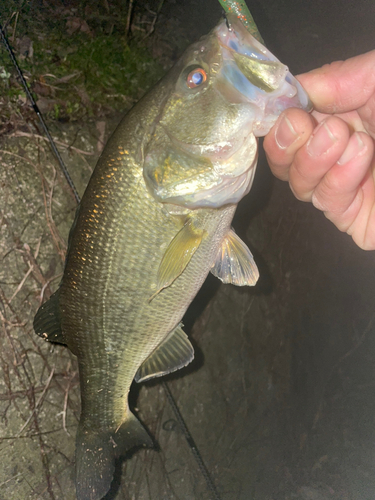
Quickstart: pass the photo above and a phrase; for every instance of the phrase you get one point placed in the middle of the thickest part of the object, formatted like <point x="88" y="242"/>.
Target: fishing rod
<point x="40" y="116"/>
<point x="241" y="11"/>
<point x="181" y="422"/>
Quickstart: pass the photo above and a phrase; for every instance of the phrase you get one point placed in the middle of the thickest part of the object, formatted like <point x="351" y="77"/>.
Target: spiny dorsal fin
<point x="178" y="254"/>
<point x="173" y="353"/>
<point x="235" y="263"/>
<point x="47" y="321"/>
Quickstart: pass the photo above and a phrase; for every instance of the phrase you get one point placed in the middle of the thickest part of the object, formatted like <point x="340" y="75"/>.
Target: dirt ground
<point x="280" y="398"/>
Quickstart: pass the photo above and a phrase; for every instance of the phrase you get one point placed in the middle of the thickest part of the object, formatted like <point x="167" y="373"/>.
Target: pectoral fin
<point x="178" y="254"/>
<point x="173" y="353"/>
<point x="234" y="262"/>
<point x="47" y="322"/>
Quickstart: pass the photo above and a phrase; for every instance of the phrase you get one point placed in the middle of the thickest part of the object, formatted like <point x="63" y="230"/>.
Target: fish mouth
<point x="251" y="76"/>
<point x="250" y="73"/>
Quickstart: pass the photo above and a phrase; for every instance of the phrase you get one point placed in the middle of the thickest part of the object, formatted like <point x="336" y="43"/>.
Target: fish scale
<point x="153" y="221"/>
<point x="122" y="287"/>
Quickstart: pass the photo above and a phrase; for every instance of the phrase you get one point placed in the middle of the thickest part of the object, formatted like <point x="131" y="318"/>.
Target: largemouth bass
<point x="155" y="219"/>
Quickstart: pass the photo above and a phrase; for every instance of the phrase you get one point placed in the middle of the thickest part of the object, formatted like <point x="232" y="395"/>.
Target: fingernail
<point x="285" y="134"/>
<point x="355" y="146"/>
<point x="317" y="204"/>
<point x="321" y="141"/>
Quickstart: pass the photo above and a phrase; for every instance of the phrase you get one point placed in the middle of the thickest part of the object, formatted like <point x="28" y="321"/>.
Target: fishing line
<point x="189" y="438"/>
<point x="37" y="111"/>
<point x="198" y="457"/>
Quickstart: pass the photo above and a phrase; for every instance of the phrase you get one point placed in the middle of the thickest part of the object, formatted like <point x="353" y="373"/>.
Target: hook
<point x="227" y="20"/>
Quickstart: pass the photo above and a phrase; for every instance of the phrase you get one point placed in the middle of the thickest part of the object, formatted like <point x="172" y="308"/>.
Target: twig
<point x="46" y="286"/>
<point x="128" y="18"/>
<point x="9" y="323"/>
<point x="19" y="133"/>
<point x="18" y="394"/>
<point x="11" y="479"/>
<point x="64" y="409"/>
<point x="66" y="398"/>
<point x="21" y="284"/>
<point x="38" y="276"/>
<point x="156" y="15"/>
<point x="58" y="241"/>
<point x="38" y="402"/>
<point x="14" y="28"/>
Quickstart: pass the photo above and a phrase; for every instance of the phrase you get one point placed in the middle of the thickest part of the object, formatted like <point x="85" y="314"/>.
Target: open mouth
<point x="251" y="73"/>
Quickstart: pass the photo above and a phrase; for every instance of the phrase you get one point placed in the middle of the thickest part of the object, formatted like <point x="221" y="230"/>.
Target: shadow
<point x="259" y="196"/>
<point x="248" y="209"/>
<point x="116" y="482"/>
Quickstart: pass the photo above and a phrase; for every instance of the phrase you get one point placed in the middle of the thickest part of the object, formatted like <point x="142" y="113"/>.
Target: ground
<point x="279" y="399"/>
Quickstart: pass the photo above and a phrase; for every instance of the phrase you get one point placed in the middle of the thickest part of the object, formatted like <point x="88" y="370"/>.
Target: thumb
<point x="342" y="85"/>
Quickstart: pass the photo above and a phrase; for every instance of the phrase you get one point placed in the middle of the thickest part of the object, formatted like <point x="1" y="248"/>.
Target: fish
<point x="154" y="220"/>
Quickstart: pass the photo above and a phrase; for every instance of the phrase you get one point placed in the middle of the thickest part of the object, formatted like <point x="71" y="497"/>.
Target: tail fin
<point x="96" y="453"/>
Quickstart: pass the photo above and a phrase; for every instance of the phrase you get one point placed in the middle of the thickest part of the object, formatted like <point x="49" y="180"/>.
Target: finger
<point x="352" y="118"/>
<point x="321" y="152"/>
<point x="367" y="114"/>
<point x="291" y="131"/>
<point x="340" y="193"/>
<point x="343" y="85"/>
<point x="362" y="229"/>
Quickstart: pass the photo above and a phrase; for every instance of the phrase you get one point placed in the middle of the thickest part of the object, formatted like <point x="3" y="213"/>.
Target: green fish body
<point x="154" y="220"/>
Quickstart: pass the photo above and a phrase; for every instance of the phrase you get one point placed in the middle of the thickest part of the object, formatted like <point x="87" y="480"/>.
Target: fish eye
<point x="196" y="77"/>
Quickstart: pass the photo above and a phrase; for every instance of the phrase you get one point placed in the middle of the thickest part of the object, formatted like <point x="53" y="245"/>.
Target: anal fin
<point x="47" y="321"/>
<point x="173" y="353"/>
<point x="235" y="263"/>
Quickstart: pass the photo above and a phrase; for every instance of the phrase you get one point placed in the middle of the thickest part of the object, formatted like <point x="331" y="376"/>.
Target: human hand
<point x="328" y="156"/>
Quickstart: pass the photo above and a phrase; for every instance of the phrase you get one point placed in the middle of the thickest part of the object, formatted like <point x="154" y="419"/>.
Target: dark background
<point x="280" y="398"/>
<point x="288" y="375"/>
